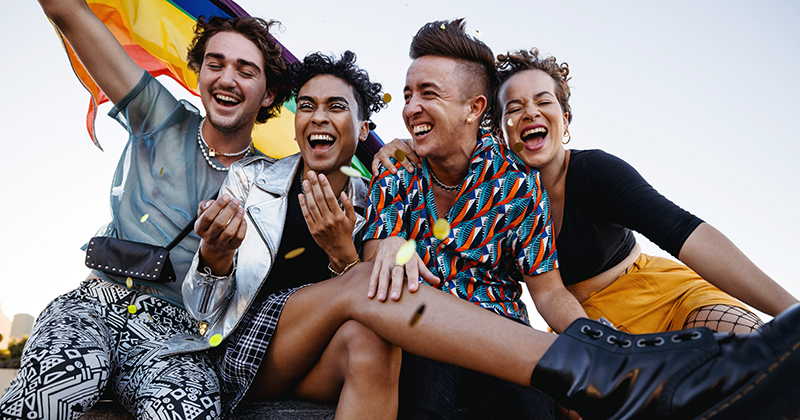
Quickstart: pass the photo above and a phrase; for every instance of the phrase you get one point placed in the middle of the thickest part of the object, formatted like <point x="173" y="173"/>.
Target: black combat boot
<point x="691" y="374"/>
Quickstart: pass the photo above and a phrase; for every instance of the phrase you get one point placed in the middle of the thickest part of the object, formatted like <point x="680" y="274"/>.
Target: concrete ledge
<point x="269" y="410"/>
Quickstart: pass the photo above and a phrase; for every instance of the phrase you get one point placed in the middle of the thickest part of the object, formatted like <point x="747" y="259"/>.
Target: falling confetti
<point x="510" y="122"/>
<point x="387" y="98"/>
<point x="416" y="315"/>
<point x="293" y="253"/>
<point x="406" y="251"/>
<point x="132" y="309"/>
<point x="129" y="282"/>
<point x="350" y="171"/>
<point x="478" y="33"/>
<point x="399" y="155"/>
<point x="441" y="229"/>
<point x="442" y="27"/>
<point x="518" y="147"/>
<point x="161" y="172"/>
<point x="215" y="340"/>
<point x="144" y="218"/>
<point x="117" y="191"/>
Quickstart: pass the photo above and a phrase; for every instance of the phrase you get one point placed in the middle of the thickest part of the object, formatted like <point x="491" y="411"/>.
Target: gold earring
<point x="568" y="136"/>
<point x="469" y="120"/>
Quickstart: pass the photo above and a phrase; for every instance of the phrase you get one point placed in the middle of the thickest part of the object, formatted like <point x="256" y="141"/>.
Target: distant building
<point x="5" y="329"/>
<point x="22" y="325"/>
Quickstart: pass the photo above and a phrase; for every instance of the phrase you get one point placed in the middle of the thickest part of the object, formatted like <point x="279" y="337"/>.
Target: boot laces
<point x="642" y="342"/>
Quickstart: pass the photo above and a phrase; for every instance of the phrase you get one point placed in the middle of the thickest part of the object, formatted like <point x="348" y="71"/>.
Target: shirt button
<point x="261" y="181"/>
<point x="255" y="210"/>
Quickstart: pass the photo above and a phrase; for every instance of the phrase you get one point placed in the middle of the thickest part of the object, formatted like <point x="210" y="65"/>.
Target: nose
<point x="320" y="116"/>
<point x="531" y="112"/>
<point x="228" y="76"/>
<point x="412" y="106"/>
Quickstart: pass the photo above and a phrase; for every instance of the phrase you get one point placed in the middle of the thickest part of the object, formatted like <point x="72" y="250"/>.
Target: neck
<point x="226" y="141"/>
<point x="453" y="167"/>
<point x="554" y="172"/>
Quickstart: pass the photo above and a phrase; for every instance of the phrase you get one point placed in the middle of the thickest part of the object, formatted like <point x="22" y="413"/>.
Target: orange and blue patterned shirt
<point x="500" y="224"/>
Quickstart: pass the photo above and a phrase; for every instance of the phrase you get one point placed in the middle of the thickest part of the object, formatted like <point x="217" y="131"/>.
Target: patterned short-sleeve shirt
<point x="500" y="223"/>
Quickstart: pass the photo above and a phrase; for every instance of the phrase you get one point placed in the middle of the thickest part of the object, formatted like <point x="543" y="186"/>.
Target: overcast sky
<point x="700" y="97"/>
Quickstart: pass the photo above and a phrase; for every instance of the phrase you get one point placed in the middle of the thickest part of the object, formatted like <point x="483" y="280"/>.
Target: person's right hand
<point x="388" y="276"/>
<point x="406" y="145"/>
<point x="221" y="225"/>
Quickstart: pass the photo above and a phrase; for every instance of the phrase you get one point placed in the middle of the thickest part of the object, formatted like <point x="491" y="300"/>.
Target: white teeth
<point x="226" y="98"/>
<point x="324" y="137"/>
<point x="533" y="131"/>
<point x="422" y="128"/>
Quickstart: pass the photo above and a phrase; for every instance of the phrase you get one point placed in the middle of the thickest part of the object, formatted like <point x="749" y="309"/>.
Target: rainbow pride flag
<point x="156" y="34"/>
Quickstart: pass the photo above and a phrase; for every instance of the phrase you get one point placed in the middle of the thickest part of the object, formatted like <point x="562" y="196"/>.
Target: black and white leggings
<point x="89" y="338"/>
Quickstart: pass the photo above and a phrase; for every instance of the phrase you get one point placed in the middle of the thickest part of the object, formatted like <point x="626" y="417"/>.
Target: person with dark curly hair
<point x="104" y="336"/>
<point x="277" y="231"/>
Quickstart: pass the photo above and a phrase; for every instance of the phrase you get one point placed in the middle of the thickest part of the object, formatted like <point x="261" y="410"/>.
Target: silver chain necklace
<point x="210" y="152"/>
<point x="440" y="184"/>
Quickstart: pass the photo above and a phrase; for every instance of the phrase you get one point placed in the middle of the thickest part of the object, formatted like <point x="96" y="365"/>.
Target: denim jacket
<point x="262" y="184"/>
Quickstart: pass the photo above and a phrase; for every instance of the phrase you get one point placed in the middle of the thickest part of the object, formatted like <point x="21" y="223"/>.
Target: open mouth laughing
<point x="534" y="134"/>
<point x="422" y="129"/>
<point x="226" y="100"/>
<point x="321" y="141"/>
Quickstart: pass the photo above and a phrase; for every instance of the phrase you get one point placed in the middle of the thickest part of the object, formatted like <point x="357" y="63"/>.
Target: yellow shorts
<point x="655" y="295"/>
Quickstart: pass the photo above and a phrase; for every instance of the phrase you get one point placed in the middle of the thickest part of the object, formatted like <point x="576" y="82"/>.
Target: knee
<point x="369" y="355"/>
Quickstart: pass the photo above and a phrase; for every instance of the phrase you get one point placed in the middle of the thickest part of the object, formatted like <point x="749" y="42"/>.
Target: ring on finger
<point x="397" y="264"/>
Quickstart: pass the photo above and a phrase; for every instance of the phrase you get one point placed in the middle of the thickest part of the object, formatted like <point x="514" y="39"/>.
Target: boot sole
<point x="772" y="395"/>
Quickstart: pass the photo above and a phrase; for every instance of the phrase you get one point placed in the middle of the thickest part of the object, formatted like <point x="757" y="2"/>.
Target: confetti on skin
<point x="387" y="98"/>
<point x="406" y="251"/>
<point x="441" y="229"/>
<point x="350" y="171"/>
<point x="416" y="315"/>
<point x="399" y="155"/>
<point x="293" y="253"/>
<point x="215" y="340"/>
<point x="129" y="282"/>
<point x="132" y="309"/>
<point x="144" y="218"/>
<point x="510" y="122"/>
<point x="518" y="147"/>
<point x="442" y="27"/>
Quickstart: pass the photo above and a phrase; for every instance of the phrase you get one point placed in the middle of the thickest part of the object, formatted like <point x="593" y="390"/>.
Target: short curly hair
<point x="256" y="30"/>
<point x="514" y="62"/>
<point x="368" y="94"/>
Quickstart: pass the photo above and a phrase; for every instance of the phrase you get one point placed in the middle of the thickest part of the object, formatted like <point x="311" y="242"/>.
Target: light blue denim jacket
<point x="263" y="185"/>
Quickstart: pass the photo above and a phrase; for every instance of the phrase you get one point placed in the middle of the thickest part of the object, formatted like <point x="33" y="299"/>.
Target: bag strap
<point x="186" y="230"/>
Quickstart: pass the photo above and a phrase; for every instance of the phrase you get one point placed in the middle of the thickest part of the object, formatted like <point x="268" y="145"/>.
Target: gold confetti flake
<point x="161" y="172"/>
<point x="350" y="171"/>
<point x="215" y="340"/>
<point x="293" y="253"/>
<point x="510" y="122"/>
<point x="406" y="251"/>
<point x="129" y="282"/>
<point x="399" y="155"/>
<point x="478" y="33"/>
<point x="144" y="218"/>
<point x="132" y="309"/>
<point x="387" y="98"/>
<point x="416" y="315"/>
<point x="518" y="147"/>
<point x="441" y="229"/>
<point x="442" y="27"/>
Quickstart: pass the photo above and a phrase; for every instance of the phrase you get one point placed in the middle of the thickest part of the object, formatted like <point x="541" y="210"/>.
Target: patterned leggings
<point x="88" y="338"/>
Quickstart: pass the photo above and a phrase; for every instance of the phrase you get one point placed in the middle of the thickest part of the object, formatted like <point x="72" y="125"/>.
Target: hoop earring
<point x="568" y="136"/>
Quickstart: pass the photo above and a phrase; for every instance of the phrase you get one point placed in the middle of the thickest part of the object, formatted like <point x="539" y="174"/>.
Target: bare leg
<point x="724" y="318"/>
<point x="473" y="337"/>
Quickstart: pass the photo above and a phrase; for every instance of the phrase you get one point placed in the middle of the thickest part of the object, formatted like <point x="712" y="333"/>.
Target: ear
<point x="566" y="122"/>
<point x="269" y="97"/>
<point x="363" y="131"/>
<point x="476" y="107"/>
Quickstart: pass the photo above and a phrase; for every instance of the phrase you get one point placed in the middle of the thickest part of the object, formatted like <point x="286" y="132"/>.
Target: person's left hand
<point x="331" y="227"/>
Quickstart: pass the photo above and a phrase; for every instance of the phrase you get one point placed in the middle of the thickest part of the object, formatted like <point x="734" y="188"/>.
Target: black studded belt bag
<point x="134" y="259"/>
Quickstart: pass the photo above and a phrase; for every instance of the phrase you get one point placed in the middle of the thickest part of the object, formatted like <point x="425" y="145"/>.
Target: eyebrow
<point x="538" y="95"/>
<point x="330" y="99"/>
<point x="423" y="86"/>
<point x="240" y="61"/>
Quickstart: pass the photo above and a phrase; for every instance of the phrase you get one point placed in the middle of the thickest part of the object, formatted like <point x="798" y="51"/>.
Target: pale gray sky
<point x="700" y="97"/>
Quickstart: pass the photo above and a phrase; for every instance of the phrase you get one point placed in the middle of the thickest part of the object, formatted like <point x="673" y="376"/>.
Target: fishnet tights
<point x="724" y="318"/>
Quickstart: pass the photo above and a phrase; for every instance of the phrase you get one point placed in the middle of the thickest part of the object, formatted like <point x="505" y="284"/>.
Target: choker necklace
<point x="440" y="184"/>
<point x="338" y="197"/>
<point x="210" y="152"/>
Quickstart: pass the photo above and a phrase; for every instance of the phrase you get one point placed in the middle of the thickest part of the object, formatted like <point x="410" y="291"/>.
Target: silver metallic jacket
<point x="262" y="184"/>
